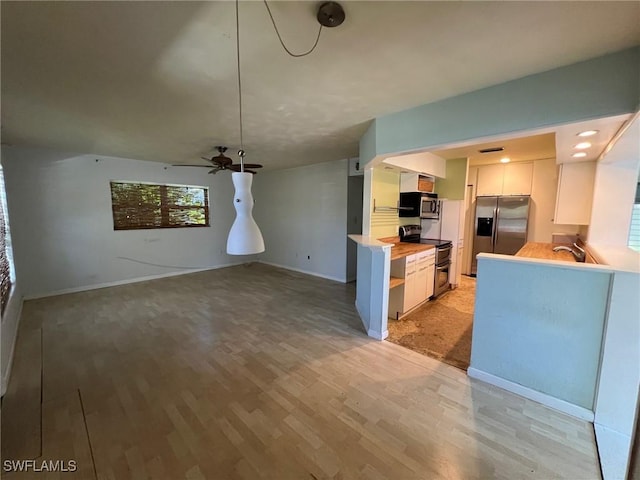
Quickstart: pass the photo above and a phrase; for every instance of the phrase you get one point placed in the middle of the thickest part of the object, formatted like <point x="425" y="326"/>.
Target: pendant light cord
<point x="297" y="55"/>
<point x="241" y="152"/>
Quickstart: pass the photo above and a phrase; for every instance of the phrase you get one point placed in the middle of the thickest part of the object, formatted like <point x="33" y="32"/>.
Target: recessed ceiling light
<point x="582" y="145"/>
<point x="505" y="160"/>
<point x="587" y="133"/>
<point x="579" y="155"/>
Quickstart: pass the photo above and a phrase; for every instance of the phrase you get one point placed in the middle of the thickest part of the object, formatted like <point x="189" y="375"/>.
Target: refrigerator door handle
<point x="496" y="215"/>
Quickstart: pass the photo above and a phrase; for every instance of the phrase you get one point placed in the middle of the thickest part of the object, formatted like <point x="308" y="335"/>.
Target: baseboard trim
<point x="378" y="335"/>
<point x="306" y="272"/>
<point x="128" y="281"/>
<point x="6" y="375"/>
<point x="526" y="392"/>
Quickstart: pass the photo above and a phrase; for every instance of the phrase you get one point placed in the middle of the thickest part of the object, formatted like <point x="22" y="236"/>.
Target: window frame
<point x="164" y="206"/>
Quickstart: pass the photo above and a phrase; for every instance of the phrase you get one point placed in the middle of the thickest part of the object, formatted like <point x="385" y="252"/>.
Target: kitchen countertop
<point x="404" y="249"/>
<point x="545" y="251"/>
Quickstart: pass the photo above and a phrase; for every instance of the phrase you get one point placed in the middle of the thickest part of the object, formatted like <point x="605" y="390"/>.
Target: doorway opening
<point x="355" y="191"/>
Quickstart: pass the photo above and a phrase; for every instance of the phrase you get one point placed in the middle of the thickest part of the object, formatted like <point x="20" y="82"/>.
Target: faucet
<point x="579" y="253"/>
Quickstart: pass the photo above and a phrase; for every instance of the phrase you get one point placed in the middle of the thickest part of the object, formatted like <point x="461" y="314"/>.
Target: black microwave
<point x="419" y="204"/>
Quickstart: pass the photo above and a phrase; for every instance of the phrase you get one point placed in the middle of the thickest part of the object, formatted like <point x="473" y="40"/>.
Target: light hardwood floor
<point x="256" y="372"/>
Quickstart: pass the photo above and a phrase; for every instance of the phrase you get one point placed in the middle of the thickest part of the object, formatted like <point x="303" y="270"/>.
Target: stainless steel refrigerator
<point x="500" y="226"/>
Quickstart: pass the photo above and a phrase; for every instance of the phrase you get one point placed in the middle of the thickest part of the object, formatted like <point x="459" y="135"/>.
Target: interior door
<point x="511" y="228"/>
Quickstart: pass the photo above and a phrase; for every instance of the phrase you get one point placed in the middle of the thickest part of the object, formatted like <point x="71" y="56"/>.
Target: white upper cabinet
<point x="414" y="182"/>
<point x="490" y="179"/>
<point x="517" y="179"/>
<point x="505" y="179"/>
<point x="575" y="193"/>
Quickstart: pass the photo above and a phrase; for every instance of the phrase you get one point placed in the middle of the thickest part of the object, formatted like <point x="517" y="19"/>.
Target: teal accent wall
<point x="541" y="326"/>
<point x="454" y="185"/>
<point x="368" y="144"/>
<point x="601" y="87"/>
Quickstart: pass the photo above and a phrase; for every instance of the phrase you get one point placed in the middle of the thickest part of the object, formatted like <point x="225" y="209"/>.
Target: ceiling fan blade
<point x="236" y="168"/>
<point x="214" y="171"/>
<point x="208" y="159"/>
<point x="183" y="165"/>
<point x="246" y="165"/>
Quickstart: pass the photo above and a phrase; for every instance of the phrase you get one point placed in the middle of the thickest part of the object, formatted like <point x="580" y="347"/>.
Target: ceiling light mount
<point x="330" y="14"/>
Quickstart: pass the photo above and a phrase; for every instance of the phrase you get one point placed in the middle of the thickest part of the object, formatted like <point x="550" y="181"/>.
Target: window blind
<point x="5" y="245"/>
<point x="634" y="230"/>
<point x="147" y="205"/>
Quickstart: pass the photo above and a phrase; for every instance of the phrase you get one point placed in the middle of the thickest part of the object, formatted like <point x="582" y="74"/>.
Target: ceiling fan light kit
<point x="245" y="237"/>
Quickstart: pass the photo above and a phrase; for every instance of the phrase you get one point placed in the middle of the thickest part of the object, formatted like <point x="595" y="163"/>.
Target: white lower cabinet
<point x="431" y="278"/>
<point x="459" y="264"/>
<point x="418" y="273"/>
<point x="420" y="289"/>
<point x="455" y="272"/>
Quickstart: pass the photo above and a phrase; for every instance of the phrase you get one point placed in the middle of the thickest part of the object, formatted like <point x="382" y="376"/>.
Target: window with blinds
<point x="147" y="205"/>
<point x="6" y="259"/>
<point x="634" y="230"/>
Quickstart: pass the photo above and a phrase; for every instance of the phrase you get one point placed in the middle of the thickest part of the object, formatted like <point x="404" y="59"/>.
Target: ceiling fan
<point x="222" y="162"/>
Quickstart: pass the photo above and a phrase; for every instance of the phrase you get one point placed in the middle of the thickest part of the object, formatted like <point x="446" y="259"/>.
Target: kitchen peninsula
<point x="412" y="275"/>
<point x="541" y="308"/>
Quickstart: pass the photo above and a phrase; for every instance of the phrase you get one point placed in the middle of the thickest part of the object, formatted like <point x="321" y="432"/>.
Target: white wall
<point x="59" y="206"/>
<point x="617" y="401"/>
<point x="302" y="213"/>
<point x="9" y="333"/>
<point x="615" y="189"/>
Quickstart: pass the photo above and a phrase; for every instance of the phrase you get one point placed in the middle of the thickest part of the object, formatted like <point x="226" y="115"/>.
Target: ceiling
<point x="557" y="142"/>
<point x="534" y="147"/>
<point x="157" y="80"/>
